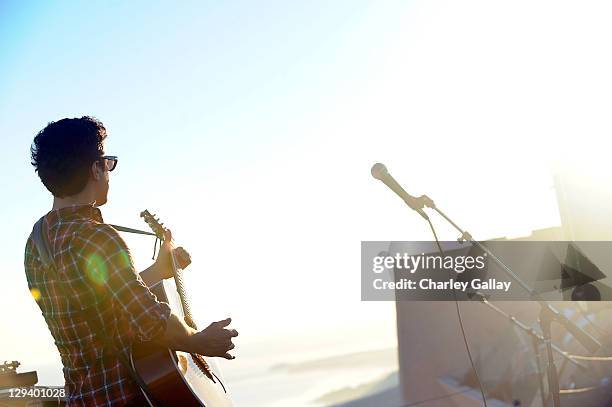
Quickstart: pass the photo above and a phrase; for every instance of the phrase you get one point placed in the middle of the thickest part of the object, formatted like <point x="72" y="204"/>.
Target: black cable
<point x="465" y="341"/>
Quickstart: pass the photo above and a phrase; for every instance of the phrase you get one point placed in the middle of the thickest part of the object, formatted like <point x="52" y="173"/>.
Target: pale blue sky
<point x="250" y="127"/>
<point x="194" y="96"/>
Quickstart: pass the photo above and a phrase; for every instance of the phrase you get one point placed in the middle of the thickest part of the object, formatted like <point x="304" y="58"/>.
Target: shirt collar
<point x="79" y="211"/>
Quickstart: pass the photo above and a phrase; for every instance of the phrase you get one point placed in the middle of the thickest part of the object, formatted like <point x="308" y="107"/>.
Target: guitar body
<point x="176" y="378"/>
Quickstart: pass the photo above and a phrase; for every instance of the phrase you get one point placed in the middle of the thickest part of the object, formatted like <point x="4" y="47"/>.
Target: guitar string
<point x="202" y="364"/>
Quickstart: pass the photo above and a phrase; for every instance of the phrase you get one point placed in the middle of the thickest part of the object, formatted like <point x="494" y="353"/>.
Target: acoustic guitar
<point x="176" y="378"/>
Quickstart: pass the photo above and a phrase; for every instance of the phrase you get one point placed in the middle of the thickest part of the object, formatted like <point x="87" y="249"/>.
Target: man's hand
<point x="163" y="263"/>
<point x="215" y="340"/>
<point x="162" y="268"/>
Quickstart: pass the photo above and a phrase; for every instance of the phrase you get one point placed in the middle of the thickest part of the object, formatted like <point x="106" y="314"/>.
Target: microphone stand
<point x="536" y="341"/>
<point x="548" y="314"/>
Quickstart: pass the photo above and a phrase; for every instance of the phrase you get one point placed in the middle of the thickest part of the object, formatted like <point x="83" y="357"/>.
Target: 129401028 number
<point x="34" y="393"/>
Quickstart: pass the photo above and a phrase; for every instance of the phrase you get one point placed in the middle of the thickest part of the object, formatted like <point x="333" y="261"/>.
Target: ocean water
<point x="300" y="380"/>
<point x="299" y="389"/>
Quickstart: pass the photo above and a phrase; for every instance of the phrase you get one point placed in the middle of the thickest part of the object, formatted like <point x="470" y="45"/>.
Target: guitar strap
<point x="45" y="255"/>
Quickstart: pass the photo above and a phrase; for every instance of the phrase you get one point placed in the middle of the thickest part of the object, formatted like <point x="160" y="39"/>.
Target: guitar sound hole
<point x="182" y="363"/>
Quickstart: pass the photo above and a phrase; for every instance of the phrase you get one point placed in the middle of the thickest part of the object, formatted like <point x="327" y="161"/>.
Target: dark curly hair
<point x="62" y="153"/>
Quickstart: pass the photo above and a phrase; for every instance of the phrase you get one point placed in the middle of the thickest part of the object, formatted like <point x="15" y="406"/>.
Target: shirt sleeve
<point x="106" y="265"/>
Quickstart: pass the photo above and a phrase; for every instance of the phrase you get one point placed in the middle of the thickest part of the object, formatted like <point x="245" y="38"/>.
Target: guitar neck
<point x="160" y="231"/>
<point x="182" y="292"/>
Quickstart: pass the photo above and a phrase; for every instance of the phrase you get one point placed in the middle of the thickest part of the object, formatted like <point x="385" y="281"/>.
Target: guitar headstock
<point x="153" y="221"/>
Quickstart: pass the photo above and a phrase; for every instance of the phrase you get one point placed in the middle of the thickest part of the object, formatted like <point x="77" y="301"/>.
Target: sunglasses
<point x="110" y="161"/>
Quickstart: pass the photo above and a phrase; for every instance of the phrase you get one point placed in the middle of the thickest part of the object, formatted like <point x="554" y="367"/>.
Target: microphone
<point x="379" y="171"/>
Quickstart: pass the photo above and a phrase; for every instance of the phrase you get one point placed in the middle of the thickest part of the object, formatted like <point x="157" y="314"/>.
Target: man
<point x="94" y="276"/>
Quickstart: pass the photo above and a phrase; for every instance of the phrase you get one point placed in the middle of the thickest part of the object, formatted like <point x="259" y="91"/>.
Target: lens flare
<point x="96" y="270"/>
<point x="35" y="293"/>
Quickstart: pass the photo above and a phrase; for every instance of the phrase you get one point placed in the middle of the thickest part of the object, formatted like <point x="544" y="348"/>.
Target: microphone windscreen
<point x="379" y="171"/>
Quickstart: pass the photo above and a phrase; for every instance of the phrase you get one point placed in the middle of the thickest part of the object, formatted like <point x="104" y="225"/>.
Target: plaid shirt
<point x="95" y="278"/>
